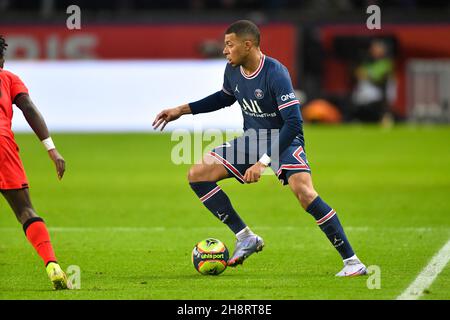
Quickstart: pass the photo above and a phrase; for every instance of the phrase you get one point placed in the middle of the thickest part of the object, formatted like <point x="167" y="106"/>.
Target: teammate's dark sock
<point x="328" y="221"/>
<point x="218" y="203"/>
<point x="37" y="234"/>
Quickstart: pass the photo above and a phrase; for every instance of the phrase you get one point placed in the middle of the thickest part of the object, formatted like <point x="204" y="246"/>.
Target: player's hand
<point x="165" y="116"/>
<point x="59" y="161"/>
<point x="253" y="173"/>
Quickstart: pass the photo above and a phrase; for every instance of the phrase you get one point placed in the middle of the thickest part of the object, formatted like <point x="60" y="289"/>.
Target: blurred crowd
<point x="372" y="91"/>
<point x="264" y="5"/>
<point x="366" y="68"/>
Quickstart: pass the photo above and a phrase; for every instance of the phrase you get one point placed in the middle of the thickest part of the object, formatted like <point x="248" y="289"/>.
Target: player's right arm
<point x="213" y="102"/>
<point x="167" y="115"/>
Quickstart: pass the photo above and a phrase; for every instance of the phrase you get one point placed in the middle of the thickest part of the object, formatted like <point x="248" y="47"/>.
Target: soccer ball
<point x="210" y="257"/>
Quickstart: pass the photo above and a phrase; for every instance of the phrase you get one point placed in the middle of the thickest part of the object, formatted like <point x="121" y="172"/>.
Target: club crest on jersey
<point x="259" y="94"/>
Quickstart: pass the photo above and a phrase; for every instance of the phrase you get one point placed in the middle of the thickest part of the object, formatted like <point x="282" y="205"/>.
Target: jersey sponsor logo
<point x="253" y="109"/>
<point x="236" y="89"/>
<point x="252" y="106"/>
<point x="286" y="97"/>
<point x="259" y="94"/>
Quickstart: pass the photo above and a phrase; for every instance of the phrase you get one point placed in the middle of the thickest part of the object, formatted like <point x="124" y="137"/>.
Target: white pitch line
<point x="428" y="275"/>
<point x="219" y="228"/>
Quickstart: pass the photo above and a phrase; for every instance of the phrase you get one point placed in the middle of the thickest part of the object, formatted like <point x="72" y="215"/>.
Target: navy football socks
<point x="218" y="203"/>
<point x="327" y="220"/>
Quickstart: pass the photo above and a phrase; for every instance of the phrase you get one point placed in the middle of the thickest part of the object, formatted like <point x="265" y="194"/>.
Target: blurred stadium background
<point x="141" y="56"/>
<point x="123" y="202"/>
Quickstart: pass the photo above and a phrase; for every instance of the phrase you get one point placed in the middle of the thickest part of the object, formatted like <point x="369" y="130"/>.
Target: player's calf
<point x="20" y="203"/>
<point x="302" y="187"/>
<point x="202" y="179"/>
<point x="213" y="197"/>
<point x="25" y="215"/>
<point x="306" y="197"/>
<point x="326" y="219"/>
<point x="37" y="234"/>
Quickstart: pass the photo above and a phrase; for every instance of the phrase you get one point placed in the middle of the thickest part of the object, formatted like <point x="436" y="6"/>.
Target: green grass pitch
<point x="124" y="213"/>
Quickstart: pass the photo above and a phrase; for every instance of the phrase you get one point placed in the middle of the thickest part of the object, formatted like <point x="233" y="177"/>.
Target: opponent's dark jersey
<point x="266" y="97"/>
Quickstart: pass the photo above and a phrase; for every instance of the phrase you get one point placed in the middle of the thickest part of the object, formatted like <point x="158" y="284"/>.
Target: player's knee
<point x="197" y="173"/>
<point x="192" y="172"/>
<point x="306" y="195"/>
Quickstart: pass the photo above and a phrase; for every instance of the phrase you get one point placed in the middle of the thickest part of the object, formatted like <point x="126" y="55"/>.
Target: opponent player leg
<point x="36" y="233"/>
<point x="203" y="179"/>
<point x="326" y="218"/>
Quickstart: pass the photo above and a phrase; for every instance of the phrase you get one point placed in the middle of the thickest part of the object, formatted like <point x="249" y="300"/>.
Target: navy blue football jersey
<point x="266" y="97"/>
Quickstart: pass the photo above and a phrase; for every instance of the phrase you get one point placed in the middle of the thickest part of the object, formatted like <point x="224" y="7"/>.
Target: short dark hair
<point x="243" y="28"/>
<point x="3" y="46"/>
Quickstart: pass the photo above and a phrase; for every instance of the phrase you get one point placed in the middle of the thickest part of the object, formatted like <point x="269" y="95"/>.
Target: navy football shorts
<point x="241" y="153"/>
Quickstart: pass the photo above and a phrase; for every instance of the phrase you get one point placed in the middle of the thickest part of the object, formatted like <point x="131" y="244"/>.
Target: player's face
<point x="235" y="50"/>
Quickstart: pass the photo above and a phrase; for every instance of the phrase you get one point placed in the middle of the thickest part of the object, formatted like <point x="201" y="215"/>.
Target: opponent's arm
<point x="214" y="102"/>
<point x="37" y="123"/>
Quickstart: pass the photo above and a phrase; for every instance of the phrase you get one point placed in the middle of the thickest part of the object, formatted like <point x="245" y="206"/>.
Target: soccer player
<point x="263" y="88"/>
<point x="13" y="181"/>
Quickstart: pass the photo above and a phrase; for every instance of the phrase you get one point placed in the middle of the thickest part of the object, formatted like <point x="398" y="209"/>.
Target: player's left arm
<point x="289" y="108"/>
<point x="37" y="123"/>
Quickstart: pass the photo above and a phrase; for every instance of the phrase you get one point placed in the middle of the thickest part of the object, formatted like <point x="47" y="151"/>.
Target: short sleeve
<point x="282" y="89"/>
<point x="17" y="86"/>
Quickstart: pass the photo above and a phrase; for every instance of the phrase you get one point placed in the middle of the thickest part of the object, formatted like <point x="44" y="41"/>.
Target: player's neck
<point x="252" y="62"/>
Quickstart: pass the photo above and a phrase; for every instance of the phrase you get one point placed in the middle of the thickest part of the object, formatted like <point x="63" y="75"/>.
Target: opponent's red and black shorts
<point x="12" y="173"/>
